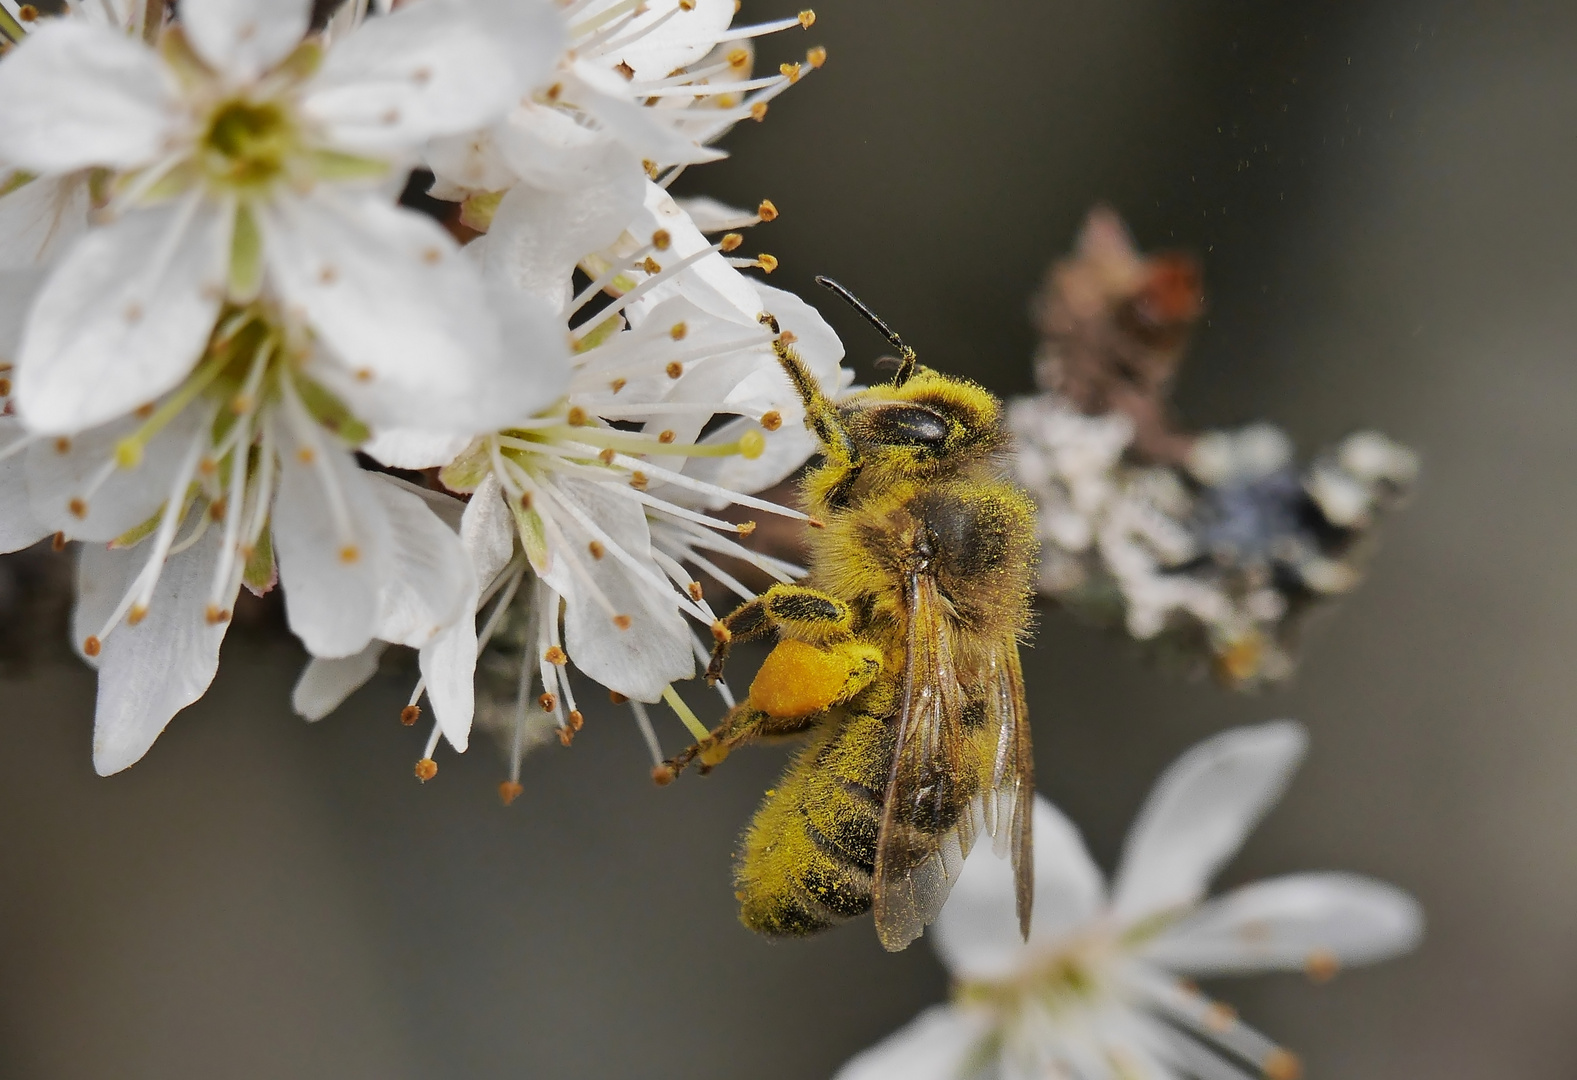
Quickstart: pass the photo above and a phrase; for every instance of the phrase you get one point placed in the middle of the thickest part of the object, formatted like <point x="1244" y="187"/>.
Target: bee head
<point x="929" y="425"/>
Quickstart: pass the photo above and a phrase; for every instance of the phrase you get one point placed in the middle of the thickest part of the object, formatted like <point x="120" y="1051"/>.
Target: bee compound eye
<point x="908" y="425"/>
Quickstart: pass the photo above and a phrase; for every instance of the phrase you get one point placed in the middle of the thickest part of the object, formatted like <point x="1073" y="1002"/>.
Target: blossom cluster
<point x="1213" y="546"/>
<point x="234" y="359"/>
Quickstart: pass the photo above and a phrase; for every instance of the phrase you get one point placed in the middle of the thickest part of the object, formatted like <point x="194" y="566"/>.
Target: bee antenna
<point x="906" y="355"/>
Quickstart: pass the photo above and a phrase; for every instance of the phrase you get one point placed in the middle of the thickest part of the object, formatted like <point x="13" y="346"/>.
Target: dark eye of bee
<point x="908" y="425"/>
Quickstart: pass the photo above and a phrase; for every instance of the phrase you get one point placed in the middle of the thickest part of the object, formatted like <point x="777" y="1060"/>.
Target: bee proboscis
<point x="898" y="654"/>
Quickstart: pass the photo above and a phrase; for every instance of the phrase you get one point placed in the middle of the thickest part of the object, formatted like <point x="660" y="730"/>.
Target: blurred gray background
<point x="1382" y="197"/>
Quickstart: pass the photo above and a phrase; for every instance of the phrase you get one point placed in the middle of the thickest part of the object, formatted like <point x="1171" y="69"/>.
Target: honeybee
<point x="898" y="654"/>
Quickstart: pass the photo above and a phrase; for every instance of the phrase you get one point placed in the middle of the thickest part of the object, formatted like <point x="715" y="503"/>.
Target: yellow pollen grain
<point x="554" y="91"/>
<point x="638" y="480"/>
<point x="816" y="56"/>
<point x="596" y="549"/>
<point x="576" y="416"/>
<point x="91" y="645"/>
<point x="62" y="445"/>
<point x="694" y="589"/>
<point x="678" y="330"/>
<point x="730" y="242"/>
<point x="767" y="211"/>
<point x="306" y="456"/>
<point x="621" y="621"/>
<point x="1321" y="965"/>
<point x="772" y="420"/>
<point x="758" y="111"/>
<point x="745" y="528"/>
<point x="547" y="702"/>
<point x="606" y="455"/>
<point x="661" y="239"/>
<point x="789" y="71"/>
<point x="738" y="58"/>
<point x="1282" y="1065"/>
<point x="410" y="714"/>
<point x="78" y="508"/>
<point x="616" y="697"/>
<point x="618" y="384"/>
<point x="767" y="262"/>
<point x="807" y="18"/>
<point x="674" y="369"/>
<point x="349" y="553"/>
<point x="651" y="266"/>
<point x="426" y="769"/>
<point x="665" y="437"/>
<point x="509" y="791"/>
<point x="556" y="655"/>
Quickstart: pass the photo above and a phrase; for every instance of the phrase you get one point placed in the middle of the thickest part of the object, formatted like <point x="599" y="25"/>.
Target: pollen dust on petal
<point x="62" y="445"/>
<point x="509" y="791"/>
<point x="410" y="714"/>
<point x="426" y="769"/>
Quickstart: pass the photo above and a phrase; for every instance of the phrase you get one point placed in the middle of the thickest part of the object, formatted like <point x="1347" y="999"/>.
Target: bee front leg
<point x="804" y="613"/>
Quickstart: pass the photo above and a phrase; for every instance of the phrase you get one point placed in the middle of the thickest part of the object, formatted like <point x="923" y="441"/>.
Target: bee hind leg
<point x="743" y="723"/>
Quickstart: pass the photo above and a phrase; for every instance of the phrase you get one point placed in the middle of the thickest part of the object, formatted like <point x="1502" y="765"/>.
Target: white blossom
<point x="1099" y="991"/>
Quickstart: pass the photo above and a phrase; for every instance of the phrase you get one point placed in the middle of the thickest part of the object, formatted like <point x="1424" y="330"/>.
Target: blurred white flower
<point x="1099" y="992"/>
<point x="240" y="160"/>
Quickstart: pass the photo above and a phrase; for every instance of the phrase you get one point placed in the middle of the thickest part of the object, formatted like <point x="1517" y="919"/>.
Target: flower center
<point x="247" y="144"/>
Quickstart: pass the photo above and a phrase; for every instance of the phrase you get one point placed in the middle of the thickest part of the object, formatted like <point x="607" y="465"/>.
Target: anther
<point x="1220" y="1017"/>
<point x="91" y="645"/>
<point x="674" y="369"/>
<point x="663" y="775"/>
<point x="525" y="500"/>
<point x="618" y="384"/>
<point x="816" y="56"/>
<point x="1282" y="1065"/>
<point x="772" y="420"/>
<point x="767" y="262"/>
<point x="621" y="621"/>
<point x="132" y="313"/>
<point x="789" y="71"/>
<point x="758" y="111"/>
<point x="686" y="5"/>
<point x="548" y="702"/>
<point x="766" y="211"/>
<point x="137" y="613"/>
<point x="241" y="404"/>
<point x="327" y="275"/>
<point x="613" y="695"/>
<point x="78" y="508"/>
<point x="745" y="528"/>
<point x="62" y="445"/>
<point x="661" y="239"/>
<point x="128" y="453"/>
<point x="650" y="168"/>
<point x="738" y="58"/>
<point x="216" y="510"/>
<point x="596" y="549"/>
<point x="349" y="553"/>
<point x="731" y="241"/>
<point x="576" y="416"/>
<point x="678" y="330"/>
<point x="606" y="455"/>
<point x="208" y="466"/>
<point x="556" y="655"/>
<point x="58" y="541"/>
<point x="216" y="615"/>
<point x="410" y="714"/>
<point x="638" y="480"/>
<point x="694" y="589"/>
<point x="426" y="769"/>
<point x="576" y="720"/>
<point x="807" y="18"/>
<point x="142" y="412"/>
<point x="1321" y="965"/>
<point x="509" y="791"/>
<point x="306" y="456"/>
<point x="721" y="634"/>
<point x="665" y="436"/>
<point x="364" y="374"/>
<point x="5" y="387"/>
<point x="625" y="69"/>
<point x="566" y="735"/>
<point x="816" y="523"/>
<point x="27" y="13"/>
<point x="651" y="266"/>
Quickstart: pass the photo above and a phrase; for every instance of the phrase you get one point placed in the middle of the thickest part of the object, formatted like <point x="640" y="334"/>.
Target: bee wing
<point x="1010" y="797"/>
<point x="928" y="818"/>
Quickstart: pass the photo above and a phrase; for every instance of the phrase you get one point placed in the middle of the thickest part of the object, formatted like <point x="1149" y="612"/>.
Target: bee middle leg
<point x="743" y="723"/>
<point x="808" y="614"/>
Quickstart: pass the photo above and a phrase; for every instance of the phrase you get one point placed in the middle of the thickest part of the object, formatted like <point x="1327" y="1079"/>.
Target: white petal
<point x="548" y="148"/>
<point x="487" y="529"/>
<point x="410" y="448"/>
<point x="1199" y="814"/>
<point x="103" y="576"/>
<point x="326" y="683"/>
<point x="539" y="235"/>
<point x="241" y="39"/>
<point x="654" y="650"/>
<point x="1290" y="923"/>
<point x="41" y="219"/>
<point x="433" y="68"/>
<point x="60" y="471"/>
<point x="123" y="318"/>
<point x="977" y="933"/>
<point x="448" y="664"/>
<point x="429" y="578"/>
<point x="817" y="345"/>
<point x="936" y="1045"/>
<point x="643" y="130"/>
<point x="663" y="40"/>
<point x="79" y="95"/>
<point x="332" y="578"/>
<point x="18" y="527"/>
<point x="390" y="296"/>
<point x="710" y="282"/>
<point x="149" y="672"/>
<point x="468" y="162"/>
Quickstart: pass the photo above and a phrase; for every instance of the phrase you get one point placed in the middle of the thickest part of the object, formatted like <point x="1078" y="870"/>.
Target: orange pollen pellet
<point x="306" y="456"/>
<point x="807" y="18"/>
<point x="678" y="330"/>
<point x="772" y="420"/>
<point x="606" y="455"/>
<point x="1322" y="965"/>
<point x="525" y="500"/>
<point x="136" y="615"/>
<point x="91" y="645"/>
<point x="738" y="58"/>
<point x="548" y="702"/>
<point x="720" y="633"/>
<point x="665" y="437"/>
<point x="621" y="621"/>
<point x="618" y="384"/>
<point x="78" y="508"/>
<point x="766" y="211"/>
<point x="596" y="549"/>
<point x="638" y="480"/>
<point x="349" y="553"/>
<point x="758" y="111"/>
<point x="556" y="655"/>
<point x="62" y="445"/>
<point x="816" y="56"/>
<point x="766" y="262"/>
<point x="661" y="239"/>
<point x="674" y="369"/>
<point x="694" y="589"/>
<point x="616" y="697"/>
<point x="651" y="265"/>
<point x="58" y="541"/>
<point x="426" y="769"/>
<point x="1282" y="1065"/>
<point x="410" y="714"/>
<point x="509" y="791"/>
<point x="576" y="416"/>
<point x="730" y="241"/>
<point x="576" y="720"/>
<point x="216" y="615"/>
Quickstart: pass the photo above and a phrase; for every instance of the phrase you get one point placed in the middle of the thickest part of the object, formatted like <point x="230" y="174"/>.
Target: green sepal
<point x="260" y="573"/>
<point x="331" y="412"/>
<point x="16" y="178"/>
<point x="138" y="533"/>
<point x="533" y="537"/>
<point x="605" y="330"/>
<point x="467" y="471"/>
<point x="477" y="211"/>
